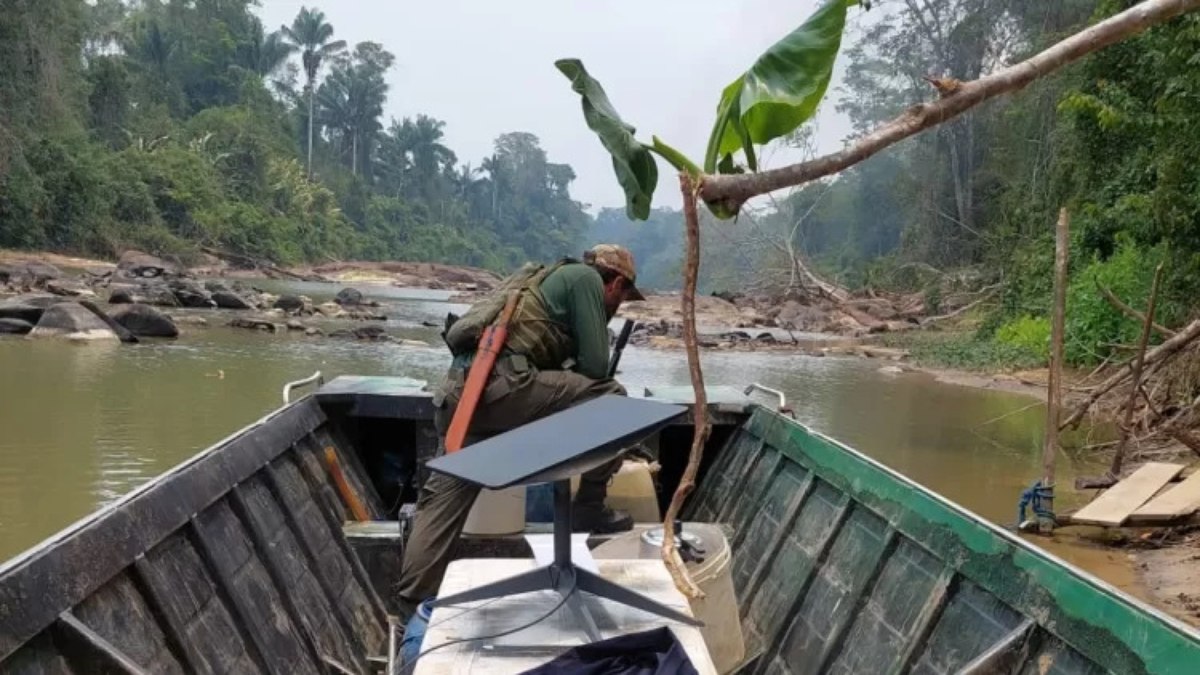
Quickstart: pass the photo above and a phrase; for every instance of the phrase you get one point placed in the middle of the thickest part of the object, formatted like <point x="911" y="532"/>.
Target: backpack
<point x="462" y="334"/>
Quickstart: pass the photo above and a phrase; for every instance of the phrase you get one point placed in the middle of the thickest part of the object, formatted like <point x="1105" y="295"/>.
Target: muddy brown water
<point x="80" y="425"/>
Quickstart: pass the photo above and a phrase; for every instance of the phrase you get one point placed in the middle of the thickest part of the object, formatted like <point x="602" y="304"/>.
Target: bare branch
<point x="731" y="191"/>
<point x="1129" y="311"/>
<point x="1164" y="351"/>
<point x="670" y="554"/>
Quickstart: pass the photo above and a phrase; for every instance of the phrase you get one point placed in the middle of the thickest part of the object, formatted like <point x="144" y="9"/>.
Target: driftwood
<point x="1129" y="311"/>
<point x="1136" y="374"/>
<point x="1154" y="356"/>
<point x="266" y="267"/>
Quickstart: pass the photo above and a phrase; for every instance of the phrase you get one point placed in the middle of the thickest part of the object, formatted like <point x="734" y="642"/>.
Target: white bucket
<point x="718" y="609"/>
<point x="497" y="512"/>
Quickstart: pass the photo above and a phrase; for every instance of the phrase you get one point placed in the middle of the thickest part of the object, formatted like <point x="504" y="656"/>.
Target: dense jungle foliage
<point x="171" y="125"/>
<point x="973" y="203"/>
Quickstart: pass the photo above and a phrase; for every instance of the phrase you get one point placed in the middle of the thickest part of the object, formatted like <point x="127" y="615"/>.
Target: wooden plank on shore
<point x="1181" y="500"/>
<point x="1114" y="506"/>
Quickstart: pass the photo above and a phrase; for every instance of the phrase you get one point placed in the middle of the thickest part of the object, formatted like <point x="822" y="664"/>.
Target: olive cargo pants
<point x="515" y="395"/>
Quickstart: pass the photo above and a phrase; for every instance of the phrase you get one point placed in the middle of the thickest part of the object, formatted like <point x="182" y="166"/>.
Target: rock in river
<point x="230" y="300"/>
<point x="191" y="294"/>
<point x="349" y="297"/>
<point x="27" y="307"/>
<point x="144" y="265"/>
<point x="145" y="321"/>
<point x="73" y="321"/>
<point x="69" y="289"/>
<point x="290" y="303"/>
<point x="14" y="327"/>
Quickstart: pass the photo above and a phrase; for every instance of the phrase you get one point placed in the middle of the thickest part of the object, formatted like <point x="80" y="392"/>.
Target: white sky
<point x="487" y="67"/>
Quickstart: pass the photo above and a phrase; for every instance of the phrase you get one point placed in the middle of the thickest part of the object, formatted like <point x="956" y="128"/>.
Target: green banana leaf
<point x="636" y="170"/>
<point x="781" y="90"/>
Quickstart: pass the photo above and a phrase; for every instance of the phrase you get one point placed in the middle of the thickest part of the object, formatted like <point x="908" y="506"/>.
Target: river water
<point x="81" y="425"/>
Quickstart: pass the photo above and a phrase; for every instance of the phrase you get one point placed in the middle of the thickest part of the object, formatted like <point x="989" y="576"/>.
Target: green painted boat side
<point x="840" y="557"/>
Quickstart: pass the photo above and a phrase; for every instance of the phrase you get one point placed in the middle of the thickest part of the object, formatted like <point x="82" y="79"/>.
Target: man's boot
<point x="589" y="514"/>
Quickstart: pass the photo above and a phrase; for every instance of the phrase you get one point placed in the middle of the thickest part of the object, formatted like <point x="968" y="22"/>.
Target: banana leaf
<point x="780" y="91"/>
<point x="636" y="170"/>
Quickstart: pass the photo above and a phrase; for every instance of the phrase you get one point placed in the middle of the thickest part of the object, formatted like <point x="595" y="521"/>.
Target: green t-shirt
<point x="574" y="296"/>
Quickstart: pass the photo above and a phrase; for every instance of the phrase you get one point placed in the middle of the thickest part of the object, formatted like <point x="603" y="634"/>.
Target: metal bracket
<point x="316" y="377"/>
<point x="781" y="407"/>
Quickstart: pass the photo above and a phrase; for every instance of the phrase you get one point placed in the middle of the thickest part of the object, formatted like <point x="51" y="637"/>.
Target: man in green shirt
<point x="556" y="356"/>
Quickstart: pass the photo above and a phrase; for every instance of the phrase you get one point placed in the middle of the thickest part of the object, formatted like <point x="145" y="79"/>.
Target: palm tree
<point x="310" y="34"/>
<point x="352" y="99"/>
<point x="264" y="52"/>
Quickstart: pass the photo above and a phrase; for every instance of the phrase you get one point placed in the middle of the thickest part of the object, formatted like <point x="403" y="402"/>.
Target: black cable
<point x="407" y="668"/>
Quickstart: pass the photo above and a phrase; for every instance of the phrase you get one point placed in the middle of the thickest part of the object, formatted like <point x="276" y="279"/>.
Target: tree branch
<point x="1129" y="311"/>
<point x="1163" y="351"/>
<point x="670" y="554"/>
<point x="731" y="191"/>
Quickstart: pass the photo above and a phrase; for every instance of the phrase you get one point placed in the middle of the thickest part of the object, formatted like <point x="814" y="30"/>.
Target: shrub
<point x="1028" y="334"/>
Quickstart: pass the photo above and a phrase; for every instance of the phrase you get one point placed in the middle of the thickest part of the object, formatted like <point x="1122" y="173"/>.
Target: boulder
<point x="144" y="265"/>
<point x="69" y="289"/>
<point x="124" y="295"/>
<point x="191" y="294"/>
<point x="27" y="307"/>
<point x="73" y="321"/>
<point x="290" y="303"/>
<point x="14" y="327"/>
<point x="214" y="287"/>
<point x="349" y="297"/>
<point x="146" y="321"/>
<point x="39" y="272"/>
<point x="7" y="273"/>
<point x="295" y="325"/>
<point x="230" y="300"/>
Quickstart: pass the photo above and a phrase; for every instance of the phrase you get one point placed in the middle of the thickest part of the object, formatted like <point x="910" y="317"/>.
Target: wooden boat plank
<point x="1115" y="505"/>
<point x="369" y="615"/>
<point x="1006" y="655"/>
<point x="223" y="542"/>
<point x="826" y="605"/>
<point x="1099" y="623"/>
<point x="914" y="639"/>
<point x="196" y="610"/>
<point x="775" y="539"/>
<point x="85" y="646"/>
<point x="38" y="656"/>
<point x="102" y="545"/>
<point x="1177" y="502"/>
<point x="857" y="597"/>
<point x="301" y="568"/>
<point x="120" y="615"/>
<point x="172" y="630"/>
<point x="792" y="583"/>
<point x="302" y="597"/>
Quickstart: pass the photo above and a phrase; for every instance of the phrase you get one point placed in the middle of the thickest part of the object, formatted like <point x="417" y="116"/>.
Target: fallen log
<point x="1163" y="351"/>
<point x="270" y="269"/>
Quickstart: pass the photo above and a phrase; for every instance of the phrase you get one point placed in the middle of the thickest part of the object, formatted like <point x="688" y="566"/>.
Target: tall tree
<point x="313" y="37"/>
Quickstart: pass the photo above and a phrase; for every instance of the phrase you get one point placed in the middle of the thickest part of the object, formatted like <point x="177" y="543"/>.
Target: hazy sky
<point x="487" y="67"/>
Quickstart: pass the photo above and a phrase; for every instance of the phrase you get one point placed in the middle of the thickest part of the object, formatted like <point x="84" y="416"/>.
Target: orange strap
<point x="356" y="506"/>
<point x="490" y="344"/>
